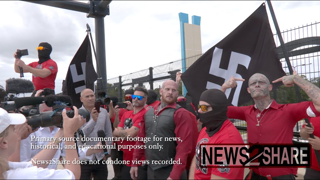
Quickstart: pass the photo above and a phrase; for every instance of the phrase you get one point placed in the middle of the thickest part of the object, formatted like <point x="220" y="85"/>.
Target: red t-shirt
<point x="136" y="120"/>
<point x="276" y="126"/>
<point x="48" y="82"/>
<point x="228" y="134"/>
<point x="314" y="162"/>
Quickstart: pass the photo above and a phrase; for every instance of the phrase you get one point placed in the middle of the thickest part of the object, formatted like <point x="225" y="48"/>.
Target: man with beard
<point x="213" y="106"/>
<point x="44" y="71"/>
<point x="269" y="122"/>
<point x="130" y="125"/>
<point x="167" y="120"/>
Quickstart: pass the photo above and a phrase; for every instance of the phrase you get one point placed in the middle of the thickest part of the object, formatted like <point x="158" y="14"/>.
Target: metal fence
<point x="302" y="44"/>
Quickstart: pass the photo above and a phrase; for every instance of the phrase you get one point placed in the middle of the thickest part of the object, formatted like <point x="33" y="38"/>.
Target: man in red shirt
<point x="172" y="128"/>
<point x="314" y="171"/>
<point x="269" y="122"/>
<point x="213" y="106"/>
<point x="44" y="71"/>
<point x="116" y="115"/>
<point x="129" y="126"/>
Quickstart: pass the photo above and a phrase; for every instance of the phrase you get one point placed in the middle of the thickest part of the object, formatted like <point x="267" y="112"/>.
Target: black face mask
<point x="182" y="104"/>
<point x="152" y="97"/>
<point x="213" y="120"/>
<point x="150" y="101"/>
<point x="44" y="55"/>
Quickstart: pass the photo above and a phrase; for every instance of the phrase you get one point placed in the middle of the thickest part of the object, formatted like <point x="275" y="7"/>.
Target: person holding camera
<point x="116" y="114"/>
<point x="129" y="126"/>
<point x="31" y="170"/>
<point x="26" y="150"/>
<point x="99" y="120"/>
<point x="312" y="172"/>
<point x="44" y="71"/>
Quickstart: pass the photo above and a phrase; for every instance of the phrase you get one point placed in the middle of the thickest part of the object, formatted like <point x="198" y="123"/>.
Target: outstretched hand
<point x="231" y="83"/>
<point x="286" y="80"/>
<point x="178" y="77"/>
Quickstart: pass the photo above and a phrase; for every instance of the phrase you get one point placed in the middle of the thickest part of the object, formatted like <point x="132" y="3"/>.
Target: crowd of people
<point x="153" y="137"/>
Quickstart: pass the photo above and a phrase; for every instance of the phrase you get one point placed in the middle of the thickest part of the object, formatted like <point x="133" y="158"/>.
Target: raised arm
<point x="178" y="77"/>
<point x="22" y="131"/>
<point x="89" y="126"/>
<point x="18" y="63"/>
<point x="231" y="83"/>
<point x="310" y="89"/>
<point x="71" y="125"/>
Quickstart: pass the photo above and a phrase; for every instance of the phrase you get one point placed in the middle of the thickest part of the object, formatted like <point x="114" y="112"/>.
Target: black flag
<point x="81" y="73"/>
<point x="248" y="49"/>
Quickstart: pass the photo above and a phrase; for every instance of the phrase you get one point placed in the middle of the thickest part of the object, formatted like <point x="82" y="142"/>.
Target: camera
<point x="30" y="111"/>
<point x="101" y="98"/>
<point x="10" y="97"/>
<point x="114" y="101"/>
<point x="53" y="118"/>
<point x="106" y="100"/>
<point x="20" y="53"/>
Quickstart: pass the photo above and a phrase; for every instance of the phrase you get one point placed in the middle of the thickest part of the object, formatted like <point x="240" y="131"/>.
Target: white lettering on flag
<point x="78" y="77"/>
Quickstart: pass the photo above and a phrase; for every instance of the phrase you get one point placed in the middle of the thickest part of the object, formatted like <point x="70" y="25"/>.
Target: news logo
<point x="257" y="155"/>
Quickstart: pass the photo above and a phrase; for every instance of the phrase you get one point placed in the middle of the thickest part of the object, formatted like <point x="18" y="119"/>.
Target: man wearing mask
<point x="182" y="101"/>
<point x="44" y="71"/>
<point x="213" y="106"/>
<point x="152" y="99"/>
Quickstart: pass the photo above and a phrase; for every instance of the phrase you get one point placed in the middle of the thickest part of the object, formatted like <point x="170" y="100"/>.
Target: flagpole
<point x="99" y="80"/>
<point x="284" y="50"/>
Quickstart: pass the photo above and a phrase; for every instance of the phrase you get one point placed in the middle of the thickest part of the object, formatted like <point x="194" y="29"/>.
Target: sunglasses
<point x="128" y="97"/>
<point x="204" y="108"/>
<point x="41" y="48"/>
<point x="181" y="100"/>
<point x="136" y="96"/>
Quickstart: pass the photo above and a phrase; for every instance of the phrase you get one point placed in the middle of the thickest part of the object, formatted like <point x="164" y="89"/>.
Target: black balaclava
<point x="214" y="119"/>
<point x="152" y="97"/>
<point x="183" y="104"/>
<point x="44" y="55"/>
